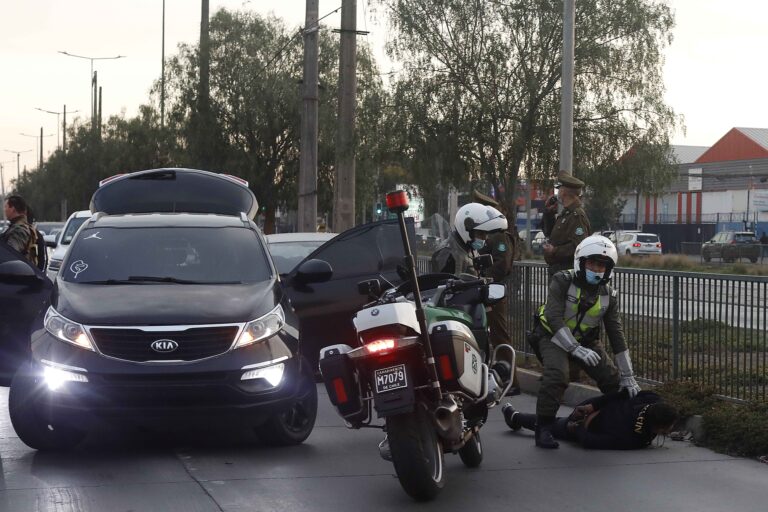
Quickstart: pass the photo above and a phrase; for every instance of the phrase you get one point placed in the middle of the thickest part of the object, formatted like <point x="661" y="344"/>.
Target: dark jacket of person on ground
<point x="608" y="422"/>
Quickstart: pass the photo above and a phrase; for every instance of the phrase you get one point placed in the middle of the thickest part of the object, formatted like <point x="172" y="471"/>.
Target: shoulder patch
<point x="614" y="293"/>
<point x="579" y="231"/>
<point x="501" y="248"/>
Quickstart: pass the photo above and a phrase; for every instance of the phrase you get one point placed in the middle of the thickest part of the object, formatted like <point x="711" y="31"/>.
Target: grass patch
<point x="681" y="263"/>
<point x="735" y="429"/>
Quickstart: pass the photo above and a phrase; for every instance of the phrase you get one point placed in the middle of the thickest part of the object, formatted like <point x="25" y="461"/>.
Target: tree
<point x="488" y="74"/>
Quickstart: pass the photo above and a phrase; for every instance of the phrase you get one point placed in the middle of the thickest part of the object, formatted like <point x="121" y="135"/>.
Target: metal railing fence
<point x="711" y="329"/>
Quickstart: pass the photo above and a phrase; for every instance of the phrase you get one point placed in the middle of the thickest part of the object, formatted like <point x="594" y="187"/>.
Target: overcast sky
<point x="715" y="71"/>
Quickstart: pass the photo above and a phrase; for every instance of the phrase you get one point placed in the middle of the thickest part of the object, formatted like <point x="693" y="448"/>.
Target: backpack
<point x="40" y="251"/>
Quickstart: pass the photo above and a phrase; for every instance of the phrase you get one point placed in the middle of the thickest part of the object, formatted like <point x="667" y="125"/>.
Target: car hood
<point x="164" y="303"/>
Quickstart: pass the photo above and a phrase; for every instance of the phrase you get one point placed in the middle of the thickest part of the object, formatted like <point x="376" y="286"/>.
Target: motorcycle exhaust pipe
<point x="447" y="418"/>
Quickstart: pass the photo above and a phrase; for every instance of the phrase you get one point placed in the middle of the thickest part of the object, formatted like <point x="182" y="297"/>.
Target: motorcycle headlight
<point x="67" y="330"/>
<point x="262" y="328"/>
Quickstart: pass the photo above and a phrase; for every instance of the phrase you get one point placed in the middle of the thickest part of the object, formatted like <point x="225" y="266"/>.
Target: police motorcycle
<point x="424" y="365"/>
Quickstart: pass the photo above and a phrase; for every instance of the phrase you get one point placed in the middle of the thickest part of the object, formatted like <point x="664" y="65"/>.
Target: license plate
<point x="388" y="379"/>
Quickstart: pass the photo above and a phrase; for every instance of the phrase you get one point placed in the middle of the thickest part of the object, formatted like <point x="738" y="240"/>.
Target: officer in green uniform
<point x="20" y="234"/>
<point x="502" y="248"/>
<point x="565" y="230"/>
<point x="579" y="300"/>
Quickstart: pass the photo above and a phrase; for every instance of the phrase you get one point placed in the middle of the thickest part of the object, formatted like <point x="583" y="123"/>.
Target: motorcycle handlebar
<point x="457" y="285"/>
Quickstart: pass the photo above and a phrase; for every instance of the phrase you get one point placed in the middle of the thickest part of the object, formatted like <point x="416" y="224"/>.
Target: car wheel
<point x="753" y="259"/>
<point x="629" y="253"/>
<point x="293" y="425"/>
<point x="27" y="412"/>
<point x="706" y="257"/>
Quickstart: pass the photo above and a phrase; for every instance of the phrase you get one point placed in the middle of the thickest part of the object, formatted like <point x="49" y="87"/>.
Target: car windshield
<point x="647" y="239"/>
<point x="745" y="237"/>
<point x="287" y="255"/>
<point x="188" y="255"/>
<point x="72" y="226"/>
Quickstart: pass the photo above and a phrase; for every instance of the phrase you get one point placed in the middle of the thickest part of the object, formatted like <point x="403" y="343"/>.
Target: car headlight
<point x="262" y="328"/>
<point x="67" y="330"/>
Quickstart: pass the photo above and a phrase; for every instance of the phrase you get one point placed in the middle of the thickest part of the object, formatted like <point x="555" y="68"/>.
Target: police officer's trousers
<point x="555" y="377"/>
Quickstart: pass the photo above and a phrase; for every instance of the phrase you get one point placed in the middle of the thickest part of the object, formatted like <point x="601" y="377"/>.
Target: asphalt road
<point x="340" y="470"/>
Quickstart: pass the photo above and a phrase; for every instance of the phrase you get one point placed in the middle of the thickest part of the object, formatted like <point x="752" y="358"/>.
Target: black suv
<point x="168" y="306"/>
<point x="732" y="246"/>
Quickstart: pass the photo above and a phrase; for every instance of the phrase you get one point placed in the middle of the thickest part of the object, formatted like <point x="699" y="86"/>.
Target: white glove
<point x="588" y="356"/>
<point x="626" y="374"/>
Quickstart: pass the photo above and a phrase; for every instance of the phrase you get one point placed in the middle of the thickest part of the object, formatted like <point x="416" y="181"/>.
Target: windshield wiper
<point x="168" y="279"/>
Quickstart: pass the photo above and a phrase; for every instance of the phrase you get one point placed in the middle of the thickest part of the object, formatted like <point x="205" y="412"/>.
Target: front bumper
<point x="210" y="389"/>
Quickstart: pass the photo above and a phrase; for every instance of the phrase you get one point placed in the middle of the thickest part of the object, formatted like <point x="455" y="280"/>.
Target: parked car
<point x="289" y="249"/>
<point x="731" y="246"/>
<point x="63" y="240"/>
<point x="179" y="315"/>
<point x="537" y="240"/>
<point x="638" y="244"/>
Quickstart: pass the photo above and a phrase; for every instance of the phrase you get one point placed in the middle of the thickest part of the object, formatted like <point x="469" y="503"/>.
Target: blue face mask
<point x="594" y="277"/>
<point x="478" y="244"/>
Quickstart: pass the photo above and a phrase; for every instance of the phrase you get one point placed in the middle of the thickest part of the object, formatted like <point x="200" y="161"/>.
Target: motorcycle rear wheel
<point x="471" y="453"/>
<point x="417" y="454"/>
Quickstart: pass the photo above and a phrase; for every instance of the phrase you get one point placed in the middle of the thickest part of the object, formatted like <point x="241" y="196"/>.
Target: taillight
<point x="341" y="392"/>
<point x="446" y="370"/>
<point x="658" y="245"/>
<point x="732" y="242"/>
<point x="380" y="346"/>
<point x="635" y="244"/>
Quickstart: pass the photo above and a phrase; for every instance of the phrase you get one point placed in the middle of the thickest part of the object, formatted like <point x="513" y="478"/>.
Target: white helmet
<point x="478" y="217"/>
<point x="597" y="247"/>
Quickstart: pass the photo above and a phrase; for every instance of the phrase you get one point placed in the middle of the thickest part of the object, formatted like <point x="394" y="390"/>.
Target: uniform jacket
<point x="501" y="247"/>
<point x="20" y="236"/>
<point x="565" y="293"/>
<point x="565" y="232"/>
<point x="453" y="258"/>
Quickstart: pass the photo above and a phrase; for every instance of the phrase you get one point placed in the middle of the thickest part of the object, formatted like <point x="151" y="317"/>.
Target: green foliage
<point x="736" y="429"/>
<point x="479" y="98"/>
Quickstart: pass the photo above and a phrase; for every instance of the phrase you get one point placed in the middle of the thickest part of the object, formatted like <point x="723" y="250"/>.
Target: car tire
<point x="629" y="253"/>
<point x="471" y="453"/>
<point x="28" y="419"/>
<point x="753" y="259"/>
<point x="293" y="425"/>
<point x="707" y="258"/>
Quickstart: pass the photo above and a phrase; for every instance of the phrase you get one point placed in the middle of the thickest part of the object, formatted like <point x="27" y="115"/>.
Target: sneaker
<point x="384" y="450"/>
<point x="510" y="414"/>
<point x="545" y="439"/>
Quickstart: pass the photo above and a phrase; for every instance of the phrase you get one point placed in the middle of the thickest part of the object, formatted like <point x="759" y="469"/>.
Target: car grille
<point x="136" y="344"/>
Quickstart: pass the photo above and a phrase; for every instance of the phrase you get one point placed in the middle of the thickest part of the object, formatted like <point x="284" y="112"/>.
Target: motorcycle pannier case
<point x="342" y="383"/>
<point x="459" y="361"/>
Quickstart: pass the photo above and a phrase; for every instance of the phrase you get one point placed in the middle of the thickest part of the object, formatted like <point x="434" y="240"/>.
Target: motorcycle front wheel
<point x="417" y="454"/>
<point x="471" y="453"/>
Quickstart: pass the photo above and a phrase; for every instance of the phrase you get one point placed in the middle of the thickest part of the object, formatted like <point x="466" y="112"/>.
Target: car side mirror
<point x="370" y="288"/>
<point x="50" y="243"/>
<point x="17" y="272"/>
<point x="496" y="293"/>
<point x="313" y="271"/>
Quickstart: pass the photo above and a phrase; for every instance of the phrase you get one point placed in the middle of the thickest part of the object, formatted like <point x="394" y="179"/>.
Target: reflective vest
<point x="579" y="322"/>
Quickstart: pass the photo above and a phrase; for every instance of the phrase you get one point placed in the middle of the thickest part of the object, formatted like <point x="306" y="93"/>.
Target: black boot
<point x="544" y="437"/>
<point x="517" y="420"/>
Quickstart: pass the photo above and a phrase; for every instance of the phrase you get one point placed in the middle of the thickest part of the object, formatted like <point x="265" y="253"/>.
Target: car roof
<point x="170" y="220"/>
<point x="81" y="213"/>
<point x="299" y="237"/>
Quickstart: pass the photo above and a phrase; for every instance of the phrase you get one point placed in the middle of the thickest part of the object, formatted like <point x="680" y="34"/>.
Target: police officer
<point x="471" y="227"/>
<point x="578" y="301"/>
<point x="502" y="247"/>
<point x="20" y="235"/>
<point x="566" y="229"/>
<point x="607" y="422"/>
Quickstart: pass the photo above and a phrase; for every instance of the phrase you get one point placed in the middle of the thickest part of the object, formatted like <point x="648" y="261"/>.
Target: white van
<point x="65" y="237"/>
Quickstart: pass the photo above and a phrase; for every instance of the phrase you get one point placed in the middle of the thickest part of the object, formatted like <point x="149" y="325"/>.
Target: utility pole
<point x="94" y="99"/>
<point x="162" y="74"/>
<point x="98" y="117"/>
<point x="566" y="111"/>
<point x="344" y="186"/>
<point x="64" y="131"/>
<point x="202" y="125"/>
<point x="308" y="144"/>
<point x="40" y="167"/>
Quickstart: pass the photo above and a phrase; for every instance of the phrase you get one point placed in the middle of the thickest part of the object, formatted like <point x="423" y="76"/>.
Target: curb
<point x="574" y="394"/>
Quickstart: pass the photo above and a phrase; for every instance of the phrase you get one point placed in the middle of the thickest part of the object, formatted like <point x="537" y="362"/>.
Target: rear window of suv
<point x="193" y="255"/>
<point x="647" y="239"/>
<point x="745" y="237"/>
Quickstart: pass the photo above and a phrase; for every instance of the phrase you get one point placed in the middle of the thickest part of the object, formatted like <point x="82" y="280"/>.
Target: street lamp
<point x="38" y="143"/>
<point x="2" y="183"/>
<point x="57" y="119"/>
<point x="92" y="59"/>
<point x="18" y="167"/>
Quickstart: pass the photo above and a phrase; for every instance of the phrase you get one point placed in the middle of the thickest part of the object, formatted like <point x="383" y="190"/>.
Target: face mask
<point x="594" y="277"/>
<point x="478" y="244"/>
